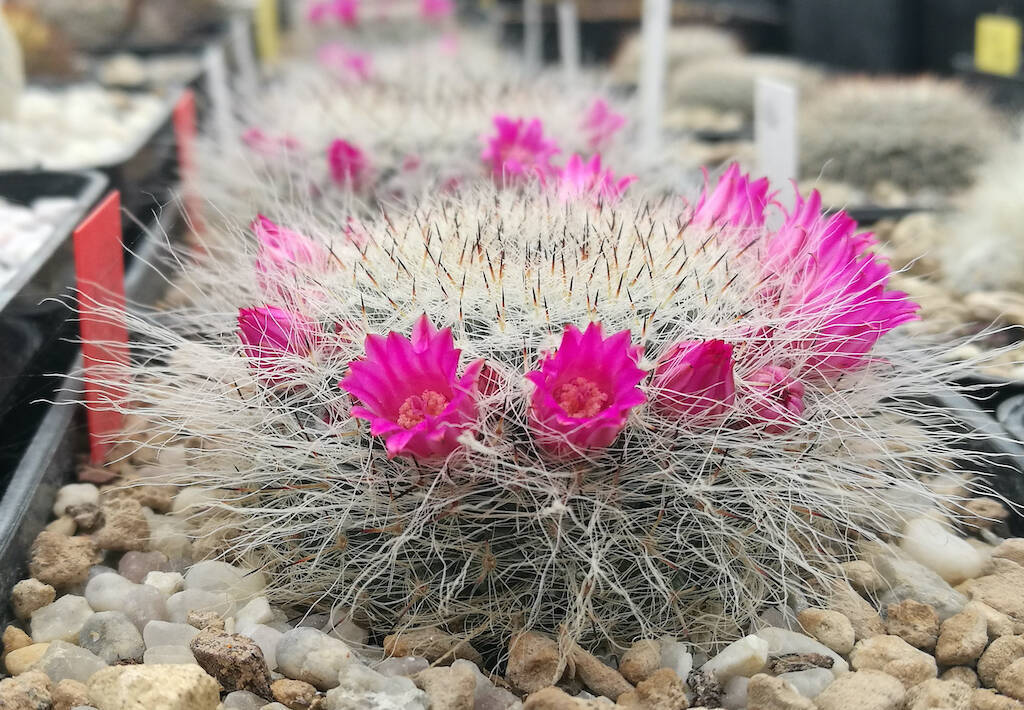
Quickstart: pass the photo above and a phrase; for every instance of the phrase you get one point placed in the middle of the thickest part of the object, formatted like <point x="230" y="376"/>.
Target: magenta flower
<point x="583" y="392"/>
<point x="282" y="249"/>
<point x="601" y="123"/>
<point x="271" y="337"/>
<point x="776" y="399"/>
<point x="318" y="12"/>
<point x="695" y="380"/>
<point x="832" y="288"/>
<point x="518" y="150"/>
<point x="736" y="200"/>
<point x="578" y="180"/>
<point x="345" y="64"/>
<point x="410" y="392"/>
<point x="349" y="166"/>
<point x="434" y="10"/>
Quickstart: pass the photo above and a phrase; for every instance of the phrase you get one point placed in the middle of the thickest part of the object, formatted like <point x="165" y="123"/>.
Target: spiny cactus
<point x="727" y="83"/>
<point x="689" y="43"/>
<point x="500" y="411"/>
<point x="985" y="248"/>
<point x="917" y="133"/>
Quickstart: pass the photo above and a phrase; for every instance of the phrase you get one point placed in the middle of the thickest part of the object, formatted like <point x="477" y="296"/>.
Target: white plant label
<point x="775" y="132"/>
<point x="569" y="39"/>
<point x="533" y="34"/>
<point x="244" y="55"/>
<point x="657" y="14"/>
<point x="218" y="90"/>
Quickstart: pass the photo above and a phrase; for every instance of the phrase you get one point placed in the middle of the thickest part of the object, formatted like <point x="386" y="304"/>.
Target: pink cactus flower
<point x="584" y="391"/>
<point x="601" y="123"/>
<point x="345" y="64"/>
<point x="832" y="288"/>
<point x="434" y="10"/>
<point x="347" y="12"/>
<point x="736" y="200"/>
<point x="273" y="338"/>
<point x="695" y="380"/>
<point x="776" y="399"/>
<point x="318" y="12"/>
<point x="410" y="392"/>
<point x="282" y="249"/>
<point x="580" y="179"/>
<point x="349" y="166"/>
<point x="518" y="150"/>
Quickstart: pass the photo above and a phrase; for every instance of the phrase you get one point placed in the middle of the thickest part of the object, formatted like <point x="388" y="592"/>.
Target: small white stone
<point x="139" y="602"/>
<point x="486" y="696"/>
<point x="112" y="636"/>
<point x="180" y="604"/>
<point x="734" y="693"/>
<point x="166" y="633"/>
<point x="745" y="657"/>
<point x="168" y="656"/>
<point x="65" y="660"/>
<point x="75" y="494"/>
<point x="61" y="620"/>
<point x="781" y="642"/>
<point x="402" y="665"/>
<point x="105" y="591"/>
<point x="215" y="576"/>
<point x="341" y="626"/>
<point x="256" y="612"/>
<point x="167" y="582"/>
<point x="313" y="656"/>
<point x="359" y="687"/>
<point x="267" y="639"/>
<point x="935" y="547"/>
<point x="809" y="682"/>
<point x="243" y="700"/>
<point x="676" y="655"/>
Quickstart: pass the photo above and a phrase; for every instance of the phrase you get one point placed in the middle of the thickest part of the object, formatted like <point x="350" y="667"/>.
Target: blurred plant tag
<point x="775" y="132"/>
<point x="268" y="30"/>
<point x="241" y="48"/>
<point x="99" y="277"/>
<point x="997" y="40"/>
<point x="217" y="88"/>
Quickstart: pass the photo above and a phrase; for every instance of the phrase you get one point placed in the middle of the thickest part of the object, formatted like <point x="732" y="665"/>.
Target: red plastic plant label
<point x="185" y="136"/>
<point x="99" y="275"/>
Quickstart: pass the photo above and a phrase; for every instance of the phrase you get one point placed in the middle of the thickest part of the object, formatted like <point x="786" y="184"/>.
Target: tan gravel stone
<point x="862" y="616"/>
<point x="640" y="661"/>
<point x="14" y="638"/>
<point x="862" y="576"/>
<point x="432" y="644"/>
<point x="29" y="691"/>
<point x="962" y="639"/>
<point x="983" y="513"/>
<point x="598" y="677"/>
<point x="915" y="623"/>
<point x="985" y="699"/>
<point x="62" y="561"/>
<point x="70" y="694"/>
<point x="962" y="674"/>
<point x="765" y="692"/>
<point x="448" y="687"/>
<point x="893" y="655"/>
<point x="935" y="693"/>
<point x="830" y="628"/>
<point x="124" y="526"/>
<point x="1010" y="680"/>
<point x="1001" y="589"/>
<point x="293" y="694"/>
<point x="534" y="663"/>
<point x="662" y="690"/>
<point x="31" y="594"/>
<point x="17" y="662"/>
<point x="863" y="690"/>
<point x="999" y="654"/>
<point x="1011" y="549"/>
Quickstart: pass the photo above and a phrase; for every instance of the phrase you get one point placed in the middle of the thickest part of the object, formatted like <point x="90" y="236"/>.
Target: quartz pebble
<point x="313" y="656"/>
<point x="139" y="602"/>
<point x="166" y="633"/>
<point x="167" y="582"/>
<point x="267" y="639"/>
<point x="402" y="665"/>
<point x="75" y="494"/>
<point x="256" y="611"/>
<point x="168" y="655"/>
<point x="358" y="687"/>
<point x="486" y="696"/>
<point x="135" y="566"/>
<point x="734" y="693"/>
<point x="61" y="620"/>
<point x="935" y="547"/>
<point x="64" y="660"/>
<point x="112" y="636"/>
<point x="809" y="682"/>
<point x="181" y="604"/>
<point x="213" y="576"/>
<point x="677" y="656"/>
<point x="243" y="700"/>
<point x="31" y="594"/>
<point x="905" y="578"/>
<point x="744" y="657"/>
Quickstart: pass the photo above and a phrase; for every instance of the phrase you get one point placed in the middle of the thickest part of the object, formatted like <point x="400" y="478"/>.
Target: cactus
<point x="756" y="430"/>
<point x="683" y="45"/>
<point x="918" y="133"/>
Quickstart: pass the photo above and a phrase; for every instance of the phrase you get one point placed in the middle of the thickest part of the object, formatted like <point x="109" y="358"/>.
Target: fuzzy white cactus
<point x="692" y="518"/>
<point x="684" y="44"/>
<point x="916" y="133"/>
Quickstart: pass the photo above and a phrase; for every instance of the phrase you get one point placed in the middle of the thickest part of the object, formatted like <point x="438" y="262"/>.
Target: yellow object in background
<point x="268" y="31"/>
<point x="997" y="40"/>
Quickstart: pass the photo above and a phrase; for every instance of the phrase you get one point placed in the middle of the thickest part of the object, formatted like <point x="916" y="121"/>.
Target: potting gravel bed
<point x="121" y="610"/>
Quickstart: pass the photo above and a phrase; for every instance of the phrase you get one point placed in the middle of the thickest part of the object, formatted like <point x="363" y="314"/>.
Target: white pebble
<point x="257" y="611"/>
<point x="166" y="633"/>
<point x="168" y="656"/>
<point x="781" y="642"/>
<point x="313" y="656"/>
<point x="809" y="682"/>
<point x="65" y="660"/>
<point x="75" y="494"/>
<point x="215" y="576"/>
<point x="180" y="604"/>
<point x="935" y="547"/>
<point x="61" y="620"/>
<point x="734" y="693"/>
<point x="744" y="657"/>
<point x="676" y="656"/>
<point x="167" y="582"/>
<point x="267" y="639"/>
<point x="243" y="700"/>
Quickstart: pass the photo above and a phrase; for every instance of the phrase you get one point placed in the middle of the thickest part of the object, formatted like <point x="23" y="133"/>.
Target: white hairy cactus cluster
<point x="917" y="133"/>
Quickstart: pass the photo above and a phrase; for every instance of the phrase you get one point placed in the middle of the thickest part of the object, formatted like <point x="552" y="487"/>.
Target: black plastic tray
<point x="31" y="325"/>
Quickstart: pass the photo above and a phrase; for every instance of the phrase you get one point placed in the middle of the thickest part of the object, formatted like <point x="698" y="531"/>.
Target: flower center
<point x="580" y="398"/>
<point x="420" y="406"/>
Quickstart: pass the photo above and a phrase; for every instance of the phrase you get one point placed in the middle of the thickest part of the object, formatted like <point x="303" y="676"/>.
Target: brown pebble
<point x="70" y="694"/>
<point x="914" y="622"/>
<point x="234" y="660"/>
<point x="795" y="662"/>
<point x="293" y="694"/>
<point x="641" y="660"/>
<point x="432" y="644"/>
<point x="62" y="561"/>
<point x="14" y="638"/>
<point x="534" y="663"/>
<point x="210" y="620"/>
<point x="124" y="526"/>
<point x="598" y="677"/>
<point x="662" y="690"/>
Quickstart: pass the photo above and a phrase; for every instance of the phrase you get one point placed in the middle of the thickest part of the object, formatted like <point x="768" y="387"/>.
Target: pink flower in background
<point x="583" y="392"/>
<point x="736" y="200"/>
<point x="272" y="336"/>
<point x="355" y="235"/>
<point x="586" y="179"/>
<point x="832" y="288"/>
<point x="260" y="142"/>
<point x="347" y="12"/>
<point x="410" y="391"/>
<point x="695" y="380"/>
<point x="601" y="123"/>
<point x="318" y="12"/>
<point x="345" y="64"/>
<point x="776" y="399"/>
<point x="519" y="150"/>
<point x="436" y="9"/>
<point x="349" y="166"/>
<point x="283" y="249"/>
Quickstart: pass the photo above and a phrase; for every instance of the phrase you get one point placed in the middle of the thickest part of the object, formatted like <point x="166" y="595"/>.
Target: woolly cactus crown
<point x="496" y="411"/>
<point x="918" y="133"/>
